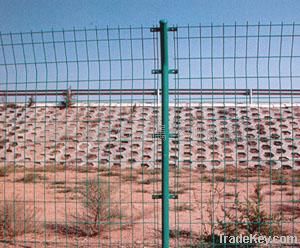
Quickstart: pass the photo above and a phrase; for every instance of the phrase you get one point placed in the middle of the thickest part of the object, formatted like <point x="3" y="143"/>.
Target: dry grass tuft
<point x="31" y="178"/>
<point x="183" y="207"/>
<point x="3" y="171"/>
<point x="129" y="177"/>
<point x="53" y="168"/>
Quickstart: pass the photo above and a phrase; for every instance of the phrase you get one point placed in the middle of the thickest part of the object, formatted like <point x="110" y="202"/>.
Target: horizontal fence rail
<point x="141" y="92"/>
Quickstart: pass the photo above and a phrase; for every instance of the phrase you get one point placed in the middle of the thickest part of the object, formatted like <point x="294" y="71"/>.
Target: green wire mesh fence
<point x="81" y="154"/>
<point x="236" y="159"/>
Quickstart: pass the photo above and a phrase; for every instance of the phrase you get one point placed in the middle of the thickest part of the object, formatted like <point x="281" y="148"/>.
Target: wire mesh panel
<point x="80" y="151"/>
<point x="79" y="163"/>
<point x="236" y="112"/>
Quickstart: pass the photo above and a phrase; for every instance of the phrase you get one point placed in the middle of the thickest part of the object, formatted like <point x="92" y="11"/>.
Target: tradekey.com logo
<point x="255" y="239"/>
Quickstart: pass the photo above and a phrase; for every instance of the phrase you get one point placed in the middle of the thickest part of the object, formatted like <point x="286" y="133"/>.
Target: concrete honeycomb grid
<point x="118" y="135"/>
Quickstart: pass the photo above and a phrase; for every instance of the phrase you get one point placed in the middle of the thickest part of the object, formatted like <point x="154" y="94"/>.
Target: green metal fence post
<point x="165" y="134"/>
<point x="165" y="131"/>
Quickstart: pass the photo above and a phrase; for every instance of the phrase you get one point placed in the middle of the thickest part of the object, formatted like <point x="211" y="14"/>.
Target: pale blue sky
<point x="115" y="59"/>
<point x="26" y="15"/>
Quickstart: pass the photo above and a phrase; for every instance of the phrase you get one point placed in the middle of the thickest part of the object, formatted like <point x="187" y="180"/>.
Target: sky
<point x="26" y="15"/>
<point x="47" y="60"/>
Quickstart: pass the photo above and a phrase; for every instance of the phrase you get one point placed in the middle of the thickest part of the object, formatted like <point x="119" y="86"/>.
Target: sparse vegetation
<point x="110" y="173"/>
<point x="31" y="102"/>
<point x="144" y="171"/>
<point x="16" y="218"/>
<point x="133" y="109"/>
<point x="149" y="180"/>
<point x="65" y="190"/>
<point x="205" y="178"/>
<point x="178" y="191"/>
<point x="238" y="218"/>
<point x="183" y="207"/>
<point x="142" y="191"/>
<point x="215" y="195"/>
<point x="250" y="218"/>
<point x="31" y="178"/>
<point x="86" y="169"/>
<point x="6" y="104"/>
<point x="129" y="177"/>
<point x="54" y="168"/>
<point x="98" y="207"/>
<point x="68" y="98"/>
<point x="58" y="183"/>
<point x="3" y="171"/>
<point x="103" y="168"/>
<point x="225" y="179"/>
<point x="279" y="182"/>
<point x="177" y="233"/>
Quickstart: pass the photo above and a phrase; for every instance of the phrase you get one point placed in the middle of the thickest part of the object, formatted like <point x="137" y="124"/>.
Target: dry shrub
<point x="215" y="195"/>
<point x="98" y="207"/>
<point x="68" y="98"/>
<point x="237" y="218"/>
<point x="16" y="218"/>
<point x="133" y="109"/>
<point x="249" y="217"/>
<point x="31" y="102"/>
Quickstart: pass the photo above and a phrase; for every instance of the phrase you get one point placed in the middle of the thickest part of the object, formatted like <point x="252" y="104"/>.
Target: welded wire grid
<point x="236" y="161"/>
<point x="74" y="153"/>
<point x="80" y="156"/>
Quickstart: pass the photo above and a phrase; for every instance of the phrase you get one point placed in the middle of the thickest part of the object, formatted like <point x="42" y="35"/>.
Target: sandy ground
<point x="53" y="196"/>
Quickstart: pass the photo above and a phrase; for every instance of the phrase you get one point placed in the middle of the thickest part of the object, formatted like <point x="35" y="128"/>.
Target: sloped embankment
<point x="102" y="135"/>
